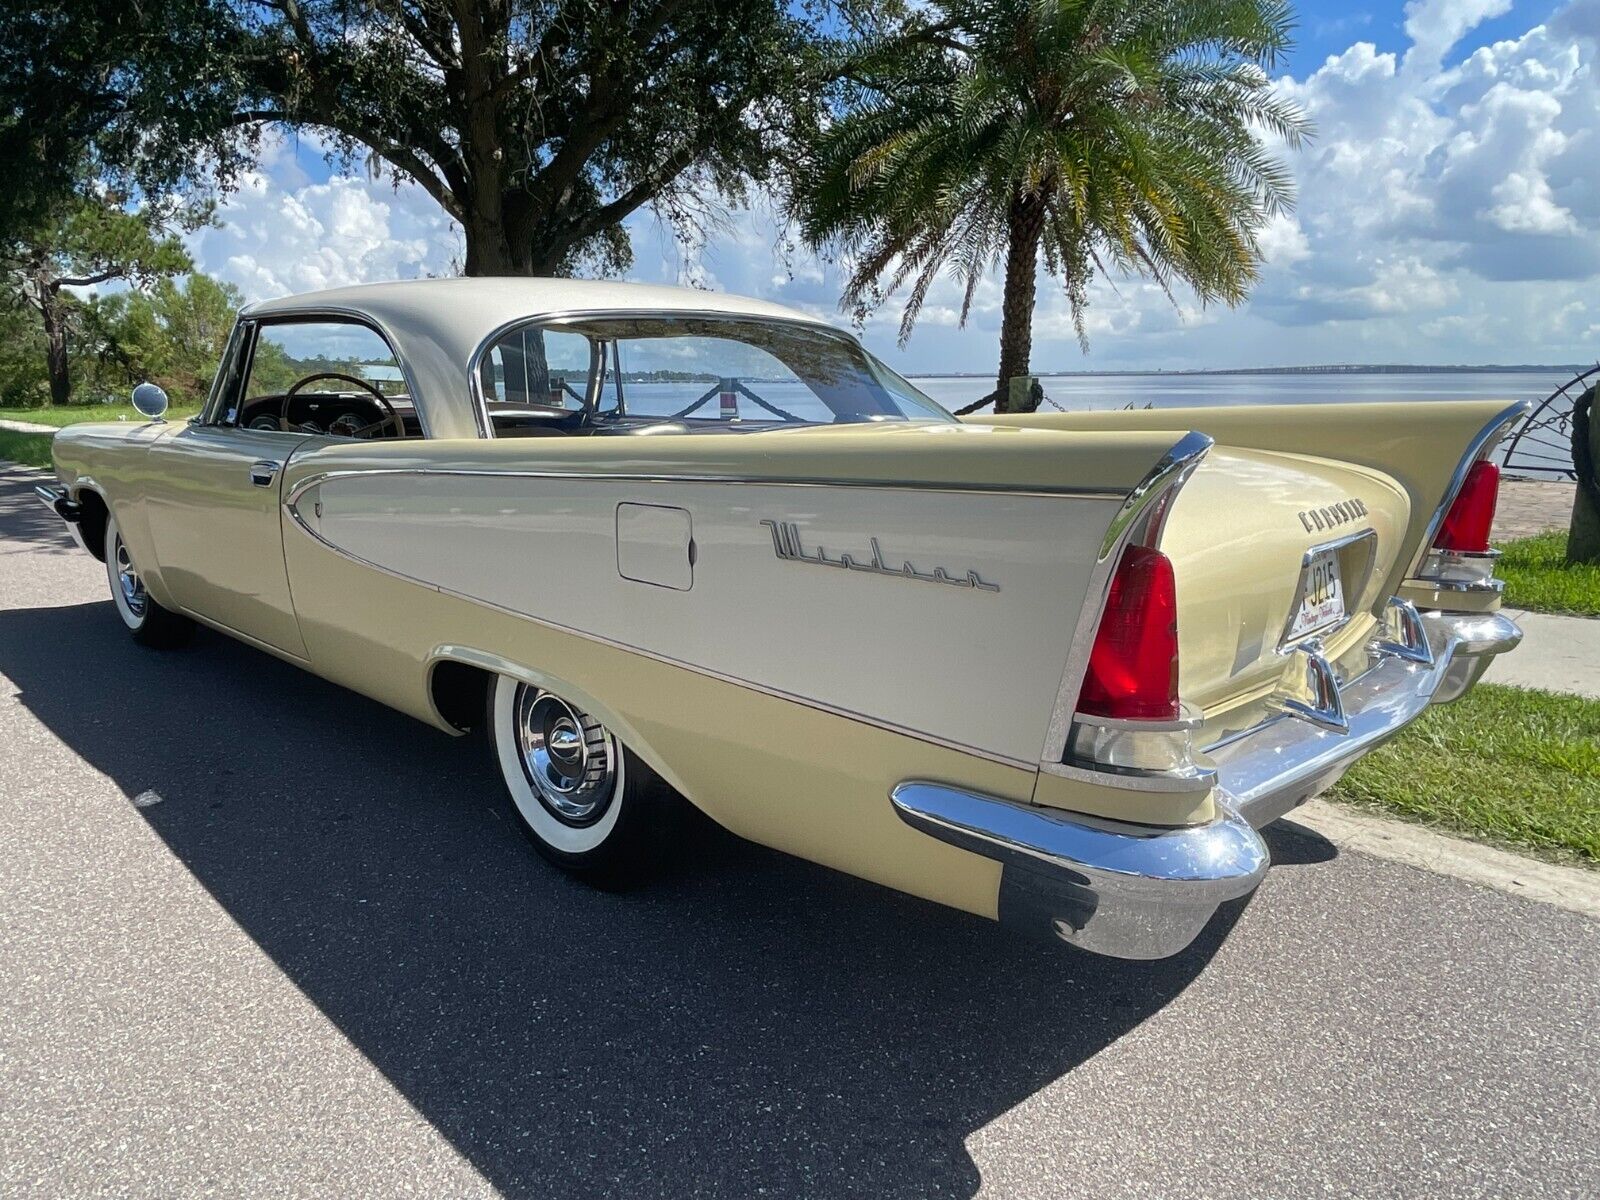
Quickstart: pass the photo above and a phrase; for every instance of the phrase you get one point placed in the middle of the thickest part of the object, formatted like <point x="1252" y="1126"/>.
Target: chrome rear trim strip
<point x="741" y="480"/>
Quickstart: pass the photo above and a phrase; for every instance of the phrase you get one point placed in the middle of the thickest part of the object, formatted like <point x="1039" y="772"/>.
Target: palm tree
<point x="1120" y="136"/>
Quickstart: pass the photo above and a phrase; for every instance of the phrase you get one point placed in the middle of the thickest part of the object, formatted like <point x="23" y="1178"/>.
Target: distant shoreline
<point x="1330" y="369"/>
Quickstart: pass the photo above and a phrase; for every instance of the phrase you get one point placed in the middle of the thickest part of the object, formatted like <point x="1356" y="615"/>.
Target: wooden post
<point x="729" y="400"/>
<point x="1583" y="536"/>
<point x="1023" y="394"/>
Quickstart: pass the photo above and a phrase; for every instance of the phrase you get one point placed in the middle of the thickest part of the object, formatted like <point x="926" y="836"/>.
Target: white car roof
<point x="436" y="325"/>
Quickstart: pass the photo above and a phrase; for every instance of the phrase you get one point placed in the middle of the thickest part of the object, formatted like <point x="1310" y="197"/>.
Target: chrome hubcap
<point x="568" y="757"/>
<point x="133" y="594"/>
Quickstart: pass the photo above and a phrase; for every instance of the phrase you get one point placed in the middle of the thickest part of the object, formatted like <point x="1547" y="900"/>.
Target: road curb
<point x="1572" y="888"/>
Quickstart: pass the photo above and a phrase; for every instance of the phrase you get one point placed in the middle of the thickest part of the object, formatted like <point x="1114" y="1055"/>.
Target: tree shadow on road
<point x="751" y="1022"/>
<point x="26" y="521"/>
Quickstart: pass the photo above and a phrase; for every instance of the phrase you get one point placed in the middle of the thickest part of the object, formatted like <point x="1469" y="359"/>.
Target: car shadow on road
<point x="750" y="1022"/>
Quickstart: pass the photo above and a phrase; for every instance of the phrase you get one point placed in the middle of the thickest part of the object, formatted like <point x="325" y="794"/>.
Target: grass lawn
<point x="1505" y="765"/>
<point x="72" y="414"/>
<point x="33" y="449"/>
<point x="1539" y="577"/>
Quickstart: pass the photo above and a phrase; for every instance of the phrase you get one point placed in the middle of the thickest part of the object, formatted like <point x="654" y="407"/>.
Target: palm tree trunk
<point x="1026" y="222"/>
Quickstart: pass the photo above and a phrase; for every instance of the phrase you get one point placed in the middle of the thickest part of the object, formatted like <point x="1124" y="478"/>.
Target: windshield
<point x="702" y="372"/>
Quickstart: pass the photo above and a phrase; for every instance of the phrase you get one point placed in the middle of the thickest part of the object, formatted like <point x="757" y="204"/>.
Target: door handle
<point x="264" y="472"/>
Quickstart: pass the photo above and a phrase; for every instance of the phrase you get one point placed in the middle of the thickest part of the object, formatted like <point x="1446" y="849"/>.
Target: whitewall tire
<point x="147" y="621"/>
<point x="587" y="803"/>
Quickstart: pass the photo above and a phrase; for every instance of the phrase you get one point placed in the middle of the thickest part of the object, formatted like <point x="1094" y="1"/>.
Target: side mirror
<point x="150" y="400"/>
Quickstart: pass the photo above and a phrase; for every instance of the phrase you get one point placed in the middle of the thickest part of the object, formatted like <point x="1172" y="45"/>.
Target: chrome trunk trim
<point x="1479" y="448"/>
<point x="1141" y="515"/>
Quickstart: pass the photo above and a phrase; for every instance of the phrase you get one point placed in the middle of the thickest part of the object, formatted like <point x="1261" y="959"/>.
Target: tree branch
<point x="86" y="280"/>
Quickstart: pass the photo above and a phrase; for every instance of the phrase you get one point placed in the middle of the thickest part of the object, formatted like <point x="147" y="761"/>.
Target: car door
<point x="213" y="507"/>
<point x="218" y="533"/>
<point x="288" y="383"/>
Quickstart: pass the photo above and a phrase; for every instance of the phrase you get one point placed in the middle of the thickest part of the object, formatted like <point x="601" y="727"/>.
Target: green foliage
<point x="136" y="93"/>
<point x="173" y="335"/>
<point x="23" y="382"/>
<point x="29" y="449"/>
<point x="538" y="124"/>
<point x="78" y="414"/>
<point x="95" y="235"/>
<point x="88" y="237"/>
<point x="1503" y="764"/>
<point x="1113" y="135"/>
<point x="1538" y="575"/>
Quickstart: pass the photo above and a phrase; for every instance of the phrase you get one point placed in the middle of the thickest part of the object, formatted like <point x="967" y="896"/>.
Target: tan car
<point x="671" y="546"/>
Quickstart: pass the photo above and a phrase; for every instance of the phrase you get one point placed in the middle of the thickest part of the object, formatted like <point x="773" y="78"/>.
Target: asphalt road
<point x="259" y="936"/>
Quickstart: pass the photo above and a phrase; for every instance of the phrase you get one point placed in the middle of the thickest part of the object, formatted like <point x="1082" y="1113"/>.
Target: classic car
<point x="670" y="546"/>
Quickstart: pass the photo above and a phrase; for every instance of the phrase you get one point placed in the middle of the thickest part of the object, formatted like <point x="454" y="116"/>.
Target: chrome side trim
<point x="668" y="660"/>
<point x="1480" y="447"/>
<point x="601" y="476"/>
<point x="1126" y="891"/>
<point x="1142" y="512"/>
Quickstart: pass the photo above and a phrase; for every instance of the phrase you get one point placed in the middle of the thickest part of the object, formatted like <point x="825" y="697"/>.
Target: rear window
<point x="701" y="372"/>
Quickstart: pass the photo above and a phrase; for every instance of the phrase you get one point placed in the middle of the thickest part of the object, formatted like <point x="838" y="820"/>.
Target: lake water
<point x="1543" y="453"/>
<point x="1543" y="450"/>
<point x="1078" y="392"/>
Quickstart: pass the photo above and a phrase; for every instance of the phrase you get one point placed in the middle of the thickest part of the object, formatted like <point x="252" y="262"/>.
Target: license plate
<point x="1321" y="596"/>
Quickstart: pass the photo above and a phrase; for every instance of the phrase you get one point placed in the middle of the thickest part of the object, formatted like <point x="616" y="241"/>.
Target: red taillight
<point x="1133" y="668"/>
<point x="1466" y="525"/>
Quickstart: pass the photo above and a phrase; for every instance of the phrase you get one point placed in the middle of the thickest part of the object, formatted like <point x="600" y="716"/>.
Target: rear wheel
<point x="149" y="623"/>
<point x="584" y="800"/>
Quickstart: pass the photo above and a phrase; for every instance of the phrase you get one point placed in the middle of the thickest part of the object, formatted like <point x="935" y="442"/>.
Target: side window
<point x="322" y="377"/>
<point x="539" y="368"/>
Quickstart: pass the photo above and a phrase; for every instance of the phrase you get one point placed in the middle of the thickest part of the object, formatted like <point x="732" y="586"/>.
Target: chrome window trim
<point x="343" y="316"/>
<point x="1143" y="513"/>
<point x="600" y="639"/>
<point x="226" y="367"/>
<point x="480" y="407"/>
<point x="603" y="476"/>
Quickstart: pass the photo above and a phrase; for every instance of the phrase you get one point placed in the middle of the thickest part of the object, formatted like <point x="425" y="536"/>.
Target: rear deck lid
<point x="1271" y="550"/>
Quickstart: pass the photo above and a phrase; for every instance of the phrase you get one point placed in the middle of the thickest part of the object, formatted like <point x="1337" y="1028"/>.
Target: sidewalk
<point x="1558" y="654"/>
<point x="26" y="427"/>
<point x="1527" y="508"/>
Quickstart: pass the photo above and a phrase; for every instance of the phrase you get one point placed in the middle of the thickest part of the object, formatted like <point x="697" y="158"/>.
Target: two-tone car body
<point x="1055" y="669"/>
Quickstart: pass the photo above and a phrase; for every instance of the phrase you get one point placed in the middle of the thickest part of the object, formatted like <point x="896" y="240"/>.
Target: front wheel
<point x="586" y="802"/>
<point x="147" y="621"/>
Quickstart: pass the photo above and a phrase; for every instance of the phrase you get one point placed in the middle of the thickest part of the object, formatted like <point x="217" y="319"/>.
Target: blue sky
<point x="1449" y="212"/>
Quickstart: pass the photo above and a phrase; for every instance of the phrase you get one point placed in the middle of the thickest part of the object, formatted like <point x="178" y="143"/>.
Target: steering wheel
<point x="390" y="417"/>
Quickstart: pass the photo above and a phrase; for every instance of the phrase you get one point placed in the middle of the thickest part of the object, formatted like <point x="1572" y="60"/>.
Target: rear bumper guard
<point x="1141" y="892"/>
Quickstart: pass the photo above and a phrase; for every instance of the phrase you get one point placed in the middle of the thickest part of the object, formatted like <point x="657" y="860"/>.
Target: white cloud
<point x="1434" y="26"/>
<point x="281" y="233"/>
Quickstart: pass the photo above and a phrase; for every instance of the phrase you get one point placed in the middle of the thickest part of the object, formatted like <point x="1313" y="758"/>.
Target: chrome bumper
<point x="58" y="501"/>
<point x="1141" y="892"/>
